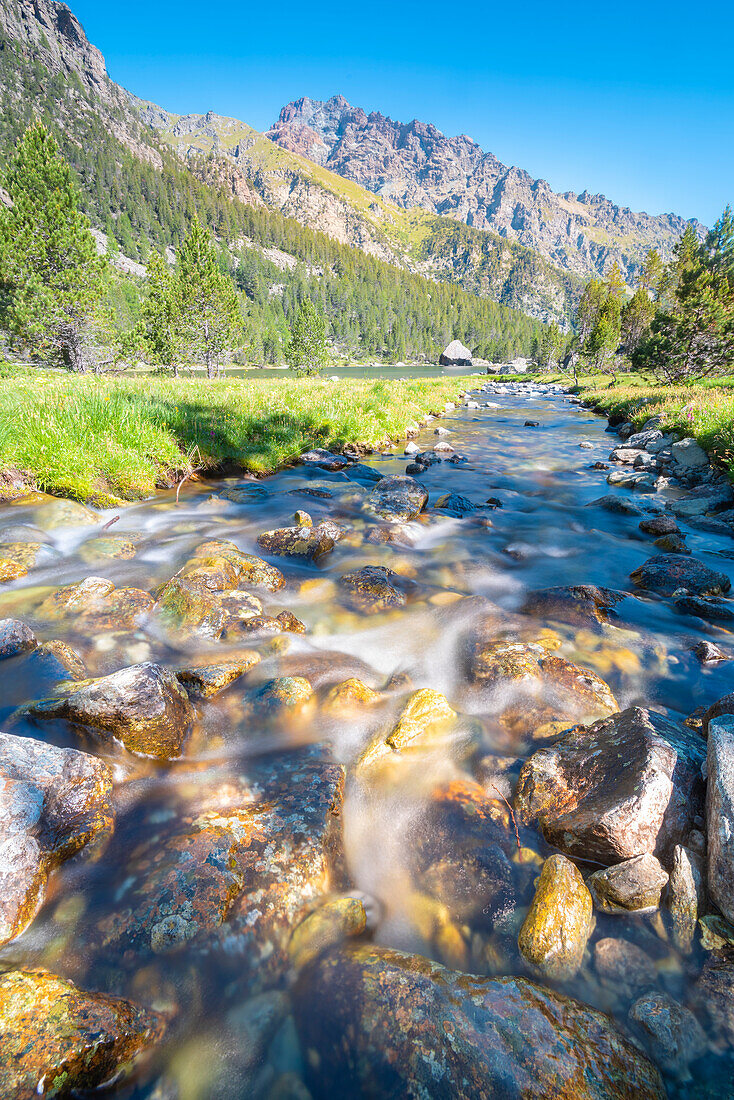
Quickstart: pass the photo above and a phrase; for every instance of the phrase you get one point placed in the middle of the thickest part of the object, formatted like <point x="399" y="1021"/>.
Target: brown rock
<point x="554" y="935"/>
<point x="57" y="1040"/>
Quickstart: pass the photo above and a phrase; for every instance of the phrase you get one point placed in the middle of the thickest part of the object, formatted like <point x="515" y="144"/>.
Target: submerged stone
<point x="144" y="707"/>
<point x="632" y="886"/>
<point x="283" y="695"/>
<point x="306" y="542"/>
<point x="666" y="573"/>
<point x="15" y="637"/>
<point x="670" y="1032"/>
<point x="626" y="785"/>
<point x="374" y="588"/>
<point x="398" y="497"/>
<point x="57" y="1040"/>
<point x="418" y="1029"/>
<point x="554" y="936"/>
<point x="206" y="681"/>
<point x="232" y="870"/>
<point x="581" y="604"/>
<point x="624" y="967"/>
<point x="426" y="717"/>
<point x="53" y="802"/>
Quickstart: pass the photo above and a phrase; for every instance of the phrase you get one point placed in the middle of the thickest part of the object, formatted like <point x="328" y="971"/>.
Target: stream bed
<point x="316" y="814"/>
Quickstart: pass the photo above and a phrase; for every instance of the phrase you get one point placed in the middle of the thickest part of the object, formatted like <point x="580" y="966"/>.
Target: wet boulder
<point x="95" y="604"/>
<point x="672" y="544"/>
<point x="580" y="604"/>
<point x="364" y="474"/>
<point x="144" y="707"/>
<point x="659" y="525"/>
<point x="350" y="697"/>
<point x="418" y="1029"/>
<point x="15" y="638"/>
<point x="65" y="513"/>
<point x="278" y="697"/>
<point x="107" y="547"/>
<point x="374" y="588"/>
<point x="426" y="718"/>
<point x="57" y="1040"/>
<point x="324" y="460"/>
<point x="666" y="573"/>
<point x="670" y="1032"/>
<point x="398" y="498"/>
<point x="713" y="996"/>
<point x="229" y="870"/>
<point x="332" y="923"/>
<point x="627" y="785"/>
<point x="53" y="662"/>
<point x="723" y="706"/>
<point x="454" y="504"/>
<point x="206" y="681"/>
<point x="309" y="543"/>
<point x="720" y="813"/>
<point x="53" y="802"/>
<point x="686" y="895"/>
<point x="555" y="932"/>
<point x="711" y="608"/>
<point x="624" y="967"/>
<point x="633" y="886"/>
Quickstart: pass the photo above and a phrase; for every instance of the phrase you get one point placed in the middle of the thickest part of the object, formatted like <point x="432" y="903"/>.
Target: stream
<point x="287" y="793"/>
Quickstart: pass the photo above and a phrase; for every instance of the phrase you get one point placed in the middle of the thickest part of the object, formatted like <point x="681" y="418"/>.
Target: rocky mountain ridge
<point x="414" y="164"/>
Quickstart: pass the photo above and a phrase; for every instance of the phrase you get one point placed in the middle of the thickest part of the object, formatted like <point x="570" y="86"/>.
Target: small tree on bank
<point x="207" y="312"/>
<point x="52" y="279"/>
<point x="307" y="351"/>
<point x="159" y="328"/>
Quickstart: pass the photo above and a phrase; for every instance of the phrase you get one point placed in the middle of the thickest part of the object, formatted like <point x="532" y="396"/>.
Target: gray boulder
<point x="52" y="803"/>
<point x="399" y="498"/>
<point x="632" y="886"/>
<point x="665" y="573"/>
<point x="627" y="785"/>
<point x="455" y="355"/>
<point x="720" y="813"/>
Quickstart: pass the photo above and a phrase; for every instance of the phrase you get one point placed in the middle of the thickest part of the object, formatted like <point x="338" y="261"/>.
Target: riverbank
<point x="704" y="411"/>
<point x="105" y="439"/>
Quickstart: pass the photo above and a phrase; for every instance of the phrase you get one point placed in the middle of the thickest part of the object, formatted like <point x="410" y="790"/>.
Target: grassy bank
<point x="87" y="437"/>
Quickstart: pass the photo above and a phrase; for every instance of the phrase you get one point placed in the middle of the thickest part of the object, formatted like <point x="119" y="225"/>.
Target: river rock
<point x="686" y="895"/>
<point x="324" y="460"/>
<point x="375" y="588"/>
<point x="659" y="525"/>
<point x="709" y="652"/>
<point x="278" y="697"/>
<point x="670" y="1032"/>
<point x="712" y="609"/>
<point x="425" y="717"/>
<point x="627" y="785"/>
<point x="720" y="813"/>
<point x="723" y="706"/>
<point x="57" y="1040"/>
<point x="206" y="681"/>
<point x="417" y="1029"/>
<point x="672" y="544"/>
<point x="107" y="547"/>
<point x="53" y="802"/>
<point x="626" y="455"/>
<point x="688" y="454"/>
<point x="399" y="498"/>
<point x="624" y="967"/>
<point x="143" y="706"/>
<point x="350" y="697"/>
<point x="327" y="926"/>
<point x="455" y="504"/>
<point x="55" y="661"/>
<point x="65" y="513"/>
<point x="229" y="869"/>
<point x="580" y="604"/>
<point x="632" y="886"/>
<point x="620" y="505"/>
<point x="15" y="638"/>
<point x="11" y="570"/>
<point x="310" y="543"/>
<point x="665" y="573"/>
<point x="554" y="936"/>
<point x="713" y="996"/>
<point x="364" y="474"/>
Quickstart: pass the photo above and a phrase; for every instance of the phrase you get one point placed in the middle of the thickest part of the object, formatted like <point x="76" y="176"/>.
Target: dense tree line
<point x="371" y="308"/>
<point x="679" y="323"/>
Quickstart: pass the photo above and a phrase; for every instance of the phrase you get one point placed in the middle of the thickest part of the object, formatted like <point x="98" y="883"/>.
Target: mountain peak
<point x="415" y="164"/>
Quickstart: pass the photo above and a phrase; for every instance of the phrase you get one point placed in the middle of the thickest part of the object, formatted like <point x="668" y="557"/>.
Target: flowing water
<point x="546" y="532"/>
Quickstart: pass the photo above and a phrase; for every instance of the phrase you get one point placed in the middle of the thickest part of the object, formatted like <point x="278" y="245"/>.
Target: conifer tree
<point x="307" y="345"/>
<point x="208" y="313"/>
<point x="53" y="281"/>
<point x="160" y="321"/>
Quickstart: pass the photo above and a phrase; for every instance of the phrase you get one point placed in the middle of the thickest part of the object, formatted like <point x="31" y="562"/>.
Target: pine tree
<point x="208" y="310"/>
<point x="160" y="322"/>
<point x="637" y="315"/>
<point x="307" y="350"/>
<point x="53" y="280"/>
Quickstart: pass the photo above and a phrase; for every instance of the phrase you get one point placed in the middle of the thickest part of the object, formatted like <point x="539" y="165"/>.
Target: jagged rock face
<point x="414" y="164"/>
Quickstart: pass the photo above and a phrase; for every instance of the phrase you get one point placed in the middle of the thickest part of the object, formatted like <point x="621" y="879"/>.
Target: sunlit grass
<point x="84" y="437"/>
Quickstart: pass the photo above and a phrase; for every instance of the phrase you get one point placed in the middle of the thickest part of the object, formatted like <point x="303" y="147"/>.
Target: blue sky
<point x="634" y="100"/>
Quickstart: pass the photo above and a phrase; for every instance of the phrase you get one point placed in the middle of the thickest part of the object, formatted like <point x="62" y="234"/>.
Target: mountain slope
<point x="141" y="192"/>
<point x="414" y="164"/>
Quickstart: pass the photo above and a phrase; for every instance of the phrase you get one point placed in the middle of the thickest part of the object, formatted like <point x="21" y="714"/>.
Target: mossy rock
<point x="11" y="570"/>
<point x="58" y="1040"/>
<point x="65" y="513"/>
<point x="107" y="547"/>
<point x="554" y="935"/>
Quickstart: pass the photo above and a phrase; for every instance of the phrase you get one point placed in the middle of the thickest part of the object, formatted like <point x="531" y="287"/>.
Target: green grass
<point x="93" y="438"/>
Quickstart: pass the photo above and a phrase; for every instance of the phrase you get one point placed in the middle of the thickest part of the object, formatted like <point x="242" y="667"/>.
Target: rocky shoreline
<point x="178" y="803"/>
